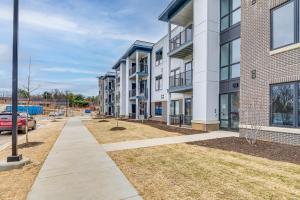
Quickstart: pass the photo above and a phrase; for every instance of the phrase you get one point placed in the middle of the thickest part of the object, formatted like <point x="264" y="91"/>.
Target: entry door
<point x="133" y="108"/>
<point x="188" y="107"/>
<point x="229" y="110"/>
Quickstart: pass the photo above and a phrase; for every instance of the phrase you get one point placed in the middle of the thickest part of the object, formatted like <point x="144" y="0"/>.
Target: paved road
<point x="78" y="168"/>
<point x="167" y="140"/>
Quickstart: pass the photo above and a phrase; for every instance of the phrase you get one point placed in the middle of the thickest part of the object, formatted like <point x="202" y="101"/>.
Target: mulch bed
<point x="101" y="121"/>
<point x="269" y="150"/>
<point x="118" y="129"/>
<point x="165" y="127"/>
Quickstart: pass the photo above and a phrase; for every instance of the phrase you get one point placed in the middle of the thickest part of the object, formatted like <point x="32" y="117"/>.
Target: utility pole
<point x="15" y="157"/>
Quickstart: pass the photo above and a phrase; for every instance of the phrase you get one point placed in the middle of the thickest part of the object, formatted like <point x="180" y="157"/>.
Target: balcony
<point x="181" y="82"/>
<point x="132" y="71"/>
<point x="180" y="120"/>
<point x="118" y="80"/>
<point x="182" y="44"/>
<point x="143" y="95"/>
<point x="143" y="70"/>
<point x="132" y="93"/>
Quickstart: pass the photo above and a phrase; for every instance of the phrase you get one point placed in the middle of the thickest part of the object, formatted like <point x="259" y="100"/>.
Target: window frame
<point x="159" y="82"/>
<point x="296" y="23"/>
<point x="159" y="62"/>
<point x="296" y="105"/>
<point x="229" y="65"/>
<point x="229" y="14"/>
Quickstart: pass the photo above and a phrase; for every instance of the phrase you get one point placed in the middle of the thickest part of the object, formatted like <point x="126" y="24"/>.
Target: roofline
<point x="171" y="9"/>
<point x="148" y="46"/>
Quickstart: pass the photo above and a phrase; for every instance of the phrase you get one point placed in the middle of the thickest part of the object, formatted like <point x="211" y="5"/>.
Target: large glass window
<point x="230" y="60"/>
<point x="230" y="13"/>
<point x="283" y="97"/>
<point x="175" y="107"/>
<point x="285" y="24"/>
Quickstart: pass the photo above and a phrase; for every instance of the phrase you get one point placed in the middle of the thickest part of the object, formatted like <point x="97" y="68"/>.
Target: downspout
<point x="150" y="93"/>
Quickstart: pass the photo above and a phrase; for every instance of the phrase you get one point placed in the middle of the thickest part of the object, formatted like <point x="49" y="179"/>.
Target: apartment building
<point x="133" y="69"/>
<point x="224" y="64"/>
<point x="270" y="72"/>
<point x="107" y="94"/>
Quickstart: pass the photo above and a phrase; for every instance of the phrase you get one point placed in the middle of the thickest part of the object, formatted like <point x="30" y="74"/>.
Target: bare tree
<point x="29" y="90"/>
<point x="253" y="121"/>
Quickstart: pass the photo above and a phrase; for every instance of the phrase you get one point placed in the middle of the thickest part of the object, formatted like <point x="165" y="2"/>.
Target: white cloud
<point x="67" y="70"/>
<point x="55" y="22"/>
<point x="43" y="20"/>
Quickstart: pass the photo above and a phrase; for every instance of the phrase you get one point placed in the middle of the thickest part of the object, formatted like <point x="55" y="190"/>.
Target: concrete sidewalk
<point x="78" y="168"/>
<point x="167" y="140"/>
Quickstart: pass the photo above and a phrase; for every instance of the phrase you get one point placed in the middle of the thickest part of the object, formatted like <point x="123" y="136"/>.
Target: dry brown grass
<point x="192" y="172"/>
<point x="104" y="132"/>
<point x="17" y="183"/>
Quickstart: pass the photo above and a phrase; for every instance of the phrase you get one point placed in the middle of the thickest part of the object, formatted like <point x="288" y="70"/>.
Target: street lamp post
<point x="15" y="157"/>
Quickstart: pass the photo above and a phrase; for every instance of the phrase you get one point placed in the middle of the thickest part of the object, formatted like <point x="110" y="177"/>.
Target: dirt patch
<point x="118" y="129"/>
<point x="185" y="171"/>
<point x="102" y="121"/>
<point x="29" y="145"/>
<point x="16" y="184"/>
<point x="269" y="150"/>
<point x="165" y="127"/>
<point x="105" y="132"/>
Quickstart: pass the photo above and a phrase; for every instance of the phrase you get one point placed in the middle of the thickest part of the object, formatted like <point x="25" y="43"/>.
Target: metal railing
<point x="132" y="71"/>
<point x="179" y="120"/>
<point x="143" y="92"/>
<point x="143" y="68"/>
<point x="183" y="79"/>
<point x="132" y="116"/>
<point x="182" y="38"/>
<point x="132" y="93"/>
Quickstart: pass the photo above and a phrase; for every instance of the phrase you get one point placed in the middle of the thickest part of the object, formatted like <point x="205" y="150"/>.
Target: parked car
<point x="6" y="122"/>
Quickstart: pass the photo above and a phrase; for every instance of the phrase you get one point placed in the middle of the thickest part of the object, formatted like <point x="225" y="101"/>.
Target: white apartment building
<point x="133" y="77"/>
<point x="175" y="80"/>
<point x="107" y="94"/>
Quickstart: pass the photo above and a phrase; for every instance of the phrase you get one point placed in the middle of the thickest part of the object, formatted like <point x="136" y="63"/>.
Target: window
<point x="285" y="24"/>
<point x="284" y="103"/>
<point x="174" y="107"/>
<point x="159" y="57"/>
<point x="230" y="60"/>
<point x="158" y="83"/>
<point x="158" y="109"/>
<point x="230" y="13"/>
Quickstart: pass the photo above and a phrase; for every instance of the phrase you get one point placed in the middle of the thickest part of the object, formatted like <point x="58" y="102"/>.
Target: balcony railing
<point x="143" y="93"/>
<point x="132" y="93"/>
<point x="132" y="116"/>
<point x="143" y="68"/>
<point x="132" y="71"/>
<point x="179" y="120"/>
<point x="118" y="80"/>
<point x="182" y="38"/>
<point x="183" y="79"/>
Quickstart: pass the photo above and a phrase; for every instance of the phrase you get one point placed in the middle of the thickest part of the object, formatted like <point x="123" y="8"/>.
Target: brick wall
<point x="255" y="55"/>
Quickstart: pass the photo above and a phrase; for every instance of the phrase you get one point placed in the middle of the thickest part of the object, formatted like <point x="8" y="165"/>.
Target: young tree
<point x="27" y="92"/>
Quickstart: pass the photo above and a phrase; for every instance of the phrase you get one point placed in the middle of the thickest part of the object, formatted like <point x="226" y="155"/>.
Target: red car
<point x="6" y="122"/>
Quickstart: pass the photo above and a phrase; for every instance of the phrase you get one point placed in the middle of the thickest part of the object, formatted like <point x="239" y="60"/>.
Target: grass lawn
<point x="17" y="183"/>
<point x="186" y="171"/>
<point x="101" y="129"/>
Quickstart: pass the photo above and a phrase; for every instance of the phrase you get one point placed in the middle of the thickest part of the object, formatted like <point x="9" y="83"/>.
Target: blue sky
<point x="73" y="41"/>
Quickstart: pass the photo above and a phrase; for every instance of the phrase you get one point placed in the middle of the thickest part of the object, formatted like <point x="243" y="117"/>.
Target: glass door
<point x="224" y="109"/>
<point x="229" y="110"/>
